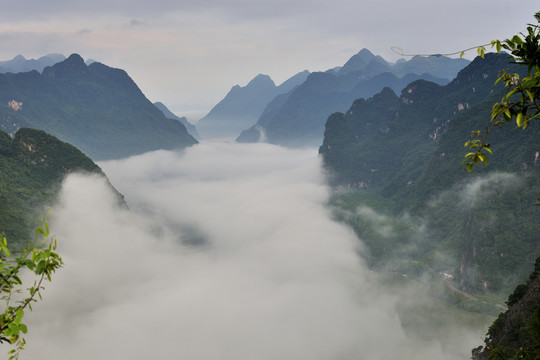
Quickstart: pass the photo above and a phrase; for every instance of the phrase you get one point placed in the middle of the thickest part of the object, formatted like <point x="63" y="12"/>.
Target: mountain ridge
<point x="299" y="120"/>
<point x="99" y="109"/>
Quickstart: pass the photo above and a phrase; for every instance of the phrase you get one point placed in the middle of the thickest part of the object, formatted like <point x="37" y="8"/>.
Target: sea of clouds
<point x="227" y="251"/>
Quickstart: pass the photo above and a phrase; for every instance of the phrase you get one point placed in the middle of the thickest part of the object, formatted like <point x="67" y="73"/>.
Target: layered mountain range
<point x="243" y="105"/>
<point x="20" y="64"/>
<point x="170" y="115"/>
<point x="97" y="108"/>
<point x="297" y="118"/>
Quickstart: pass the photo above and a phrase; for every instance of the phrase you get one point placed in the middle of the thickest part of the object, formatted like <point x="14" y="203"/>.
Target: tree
<point x="41" y="260"/>
<point x="521" y="103"/>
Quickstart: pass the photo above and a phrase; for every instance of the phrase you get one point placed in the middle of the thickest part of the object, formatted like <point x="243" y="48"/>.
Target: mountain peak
<point x="361" y="61"/>
<point x="261" y="80"/>
<point x="75" y="59"/>
<point x="72" y="65"/>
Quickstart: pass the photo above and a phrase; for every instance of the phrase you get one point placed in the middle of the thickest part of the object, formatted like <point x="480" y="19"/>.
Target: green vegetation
<point x="40" y="259"/>
<point x="32" y="167"/>
<point x="398" y="156"/>
<point x="521" y="102"/>
<point x="515" y="334"/>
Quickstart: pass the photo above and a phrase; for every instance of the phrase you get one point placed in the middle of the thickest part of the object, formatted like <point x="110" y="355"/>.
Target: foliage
<point x="515" y="334"/>
<point x="41" y="260"/>
<point x="32" y="167"/>
<point x="521" y="102"/>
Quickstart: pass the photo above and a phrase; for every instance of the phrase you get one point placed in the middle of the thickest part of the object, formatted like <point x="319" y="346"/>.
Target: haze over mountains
<point x="20" y="64"/>
<point x="97" y="108"/>
<point x="247" y="214"/>
<point x="170" y="115"/>
<point x="242" y="106"/>
<point x="297" y="118"/>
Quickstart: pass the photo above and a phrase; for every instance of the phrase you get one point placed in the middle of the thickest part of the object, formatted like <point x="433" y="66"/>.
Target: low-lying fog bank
<point x="227" y="252"/>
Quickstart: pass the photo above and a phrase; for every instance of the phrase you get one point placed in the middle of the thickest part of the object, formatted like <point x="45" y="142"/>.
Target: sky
<point x="228" y="251"/>
<point x="189" y="53"/>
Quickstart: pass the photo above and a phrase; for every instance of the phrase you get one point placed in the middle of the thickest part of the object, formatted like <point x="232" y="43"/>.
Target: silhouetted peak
<point x="261" y="80"/>
<point x="74" y="64"/>
<point x="361" y="61"/>
<point x="74" y="59"/>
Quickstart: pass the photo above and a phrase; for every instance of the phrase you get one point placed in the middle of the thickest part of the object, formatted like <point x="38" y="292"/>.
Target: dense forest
<point x="401" y="157"/>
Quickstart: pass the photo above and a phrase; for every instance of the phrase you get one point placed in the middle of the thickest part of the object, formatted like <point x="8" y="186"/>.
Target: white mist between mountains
<point x="270" y="276"/>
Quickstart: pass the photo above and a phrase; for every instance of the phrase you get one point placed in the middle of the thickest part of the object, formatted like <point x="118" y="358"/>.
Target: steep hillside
<point x="96" y="108"/>
<point x="516" y="332"/>
<point x="32" y="166"/>
<point x="299" y="118"/>
<point x="403" y="156"/>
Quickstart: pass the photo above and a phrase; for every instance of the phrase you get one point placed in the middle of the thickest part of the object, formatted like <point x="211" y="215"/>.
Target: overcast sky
<point x="189" y="53"/>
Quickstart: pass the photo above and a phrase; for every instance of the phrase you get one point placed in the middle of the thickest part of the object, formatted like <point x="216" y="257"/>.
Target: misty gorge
<point x="333" y="216"/>
<point x="273" y="274"/>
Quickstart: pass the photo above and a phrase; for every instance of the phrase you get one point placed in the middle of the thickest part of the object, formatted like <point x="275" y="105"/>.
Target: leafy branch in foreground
<point x="521" y="103"/>
<point x="42" y="260"/>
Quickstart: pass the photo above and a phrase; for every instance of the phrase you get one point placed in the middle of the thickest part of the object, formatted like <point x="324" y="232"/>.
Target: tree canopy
<point x="521" y="102"/>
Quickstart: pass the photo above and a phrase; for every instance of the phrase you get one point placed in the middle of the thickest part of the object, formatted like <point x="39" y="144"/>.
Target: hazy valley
<point x="329" y="217"/>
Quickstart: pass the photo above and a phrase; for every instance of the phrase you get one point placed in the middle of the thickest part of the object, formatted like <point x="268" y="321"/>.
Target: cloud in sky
<point x="193" y="52"/>
<point x="277" y="278"/>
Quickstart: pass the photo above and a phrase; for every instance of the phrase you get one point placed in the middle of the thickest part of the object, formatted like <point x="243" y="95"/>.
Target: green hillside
<point x="401" y="157"/>
<point x="32" y="166"/>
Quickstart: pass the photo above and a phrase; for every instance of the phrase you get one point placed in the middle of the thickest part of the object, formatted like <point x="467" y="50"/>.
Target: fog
<point x="227" y="251"/>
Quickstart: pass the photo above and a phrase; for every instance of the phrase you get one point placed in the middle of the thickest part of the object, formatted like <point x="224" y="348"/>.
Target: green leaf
<point x="519" y="119"/>
<point x="530" y="95"/>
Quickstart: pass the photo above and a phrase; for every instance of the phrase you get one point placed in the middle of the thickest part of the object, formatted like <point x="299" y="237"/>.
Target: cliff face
<point x="516" y="333"/>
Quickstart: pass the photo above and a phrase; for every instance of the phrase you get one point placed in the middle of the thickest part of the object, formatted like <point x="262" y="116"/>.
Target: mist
<point x="227" y="251"/>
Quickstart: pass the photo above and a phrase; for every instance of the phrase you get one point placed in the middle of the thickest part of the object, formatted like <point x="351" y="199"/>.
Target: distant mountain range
<point x="170" y="115"/>
<point x="20" y="64"/>
<point x="97" y="108"/>
<point x="242" y="106"/>
<point x="298" y="118"/>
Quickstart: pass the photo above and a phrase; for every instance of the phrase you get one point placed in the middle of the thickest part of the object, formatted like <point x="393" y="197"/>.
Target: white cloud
<point x="277" y="277"/>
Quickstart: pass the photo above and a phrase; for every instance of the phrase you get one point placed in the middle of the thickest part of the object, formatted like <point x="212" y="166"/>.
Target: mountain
<point x="32" y="167"/>
<point x="97" y="108"/>
<point x="403" y="155"/>
<point x="300" y="117"/>
<point x="515" y="334"/>
<point x="20" y="64"/>
<point x="242" y="106"/>
<point x="169" y="115"/>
